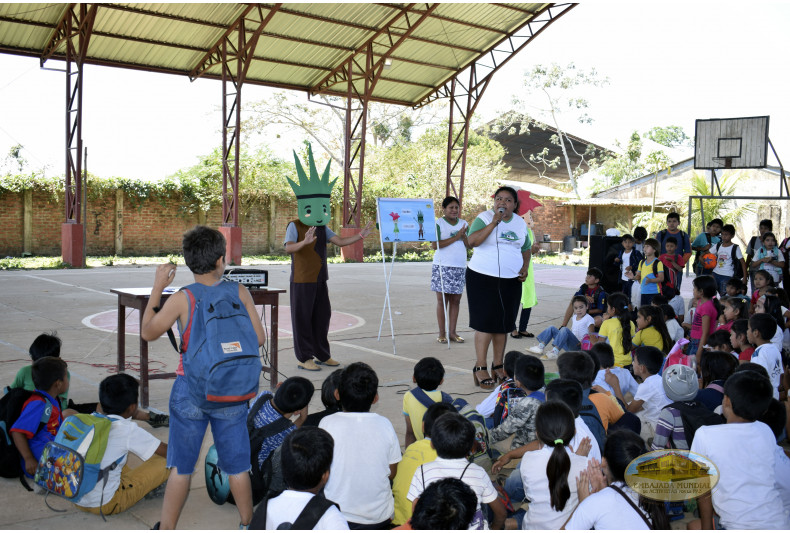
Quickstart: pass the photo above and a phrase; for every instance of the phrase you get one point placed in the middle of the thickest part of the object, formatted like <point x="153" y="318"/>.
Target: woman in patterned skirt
<point x="448" y="275"/>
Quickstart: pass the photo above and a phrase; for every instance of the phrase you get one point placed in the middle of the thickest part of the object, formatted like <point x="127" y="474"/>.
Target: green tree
<point x="669" y="136"/>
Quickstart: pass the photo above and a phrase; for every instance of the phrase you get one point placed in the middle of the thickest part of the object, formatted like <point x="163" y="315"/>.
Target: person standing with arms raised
<point x="499" y="264"/>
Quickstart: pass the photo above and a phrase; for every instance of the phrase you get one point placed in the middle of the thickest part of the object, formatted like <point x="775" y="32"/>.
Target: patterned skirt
<point x="454" y="279"/>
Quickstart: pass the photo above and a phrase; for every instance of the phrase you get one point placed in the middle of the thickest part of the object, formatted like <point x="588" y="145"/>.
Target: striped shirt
<point x="669" y="431"/>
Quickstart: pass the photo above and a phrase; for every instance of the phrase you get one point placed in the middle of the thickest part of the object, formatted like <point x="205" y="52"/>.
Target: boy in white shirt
<point x="762" y="327"/>
<point x="306" y="458"/>
<point x="125" y="486"/>
<point x="453" y="437"/>
<point x="605" y="356"/>
<point x="650" y="397"/>
<point x="567" y="339"/>
<point x="366" y="454"/>
<point x="746" y="496"/>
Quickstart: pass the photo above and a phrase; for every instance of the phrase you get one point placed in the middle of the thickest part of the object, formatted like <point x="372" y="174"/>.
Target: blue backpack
<point x="590" y="416"/>
<point x="219" y="347"/>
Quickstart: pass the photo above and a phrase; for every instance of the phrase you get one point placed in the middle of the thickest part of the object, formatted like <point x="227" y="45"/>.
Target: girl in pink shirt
<point x="706" y="315"/>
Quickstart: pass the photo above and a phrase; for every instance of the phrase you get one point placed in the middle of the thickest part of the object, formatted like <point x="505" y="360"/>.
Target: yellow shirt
<point x="415" y="410"/>
<point x="649" y="337"/>
<point x="415" y="455"/>
<point x="613" y="331"/>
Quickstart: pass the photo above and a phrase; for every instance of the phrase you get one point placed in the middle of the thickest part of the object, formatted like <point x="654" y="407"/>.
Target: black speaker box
<point x="603" y="251"/>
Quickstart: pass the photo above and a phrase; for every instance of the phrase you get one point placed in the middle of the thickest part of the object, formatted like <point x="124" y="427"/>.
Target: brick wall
<point x="11" y="206"/>
<point x="556" y="219"/>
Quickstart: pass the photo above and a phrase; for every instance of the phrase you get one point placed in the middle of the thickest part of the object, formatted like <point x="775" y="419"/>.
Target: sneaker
<point x="309" y="365"/>
<point x="552" y="355"/>
<point x="158" y="492"/>
<point x="158" y="420"/>
<point x="538" y="349"/>
<point x="328" y="362"/>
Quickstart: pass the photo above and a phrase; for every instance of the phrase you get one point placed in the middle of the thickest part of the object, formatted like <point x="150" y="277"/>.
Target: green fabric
<point x="529" y="297"/>
<point x="24" y="379"/>
<point x="528" y="243"/>
<point x="101" y="432"/>
<point x="477" y="225"/>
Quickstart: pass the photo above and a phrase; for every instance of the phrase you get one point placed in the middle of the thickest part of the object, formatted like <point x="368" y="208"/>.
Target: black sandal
<point x="485" y="383"/>
<point x="526" y="334"/>
<point x="497" y="377"/>
<point x="516" y="334"/>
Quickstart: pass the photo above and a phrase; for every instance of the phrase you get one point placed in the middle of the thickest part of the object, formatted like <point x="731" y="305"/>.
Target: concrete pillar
<point x="119" y="195"/>
<point x="27" y="221"/>
<point x="232" y="236"/>
<point x="71" y="243"/>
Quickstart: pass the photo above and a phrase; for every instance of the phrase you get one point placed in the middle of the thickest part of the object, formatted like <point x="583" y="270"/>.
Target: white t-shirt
<point x="775" y="271"/>
<point x="770" y="358"/>
<point x="725" y="260"/>
<point x="678" y="305"/>
<point x="783" y="477"/>
<point x="540" y="514"/>
<point x="473" y="475"/>
<point x="744" y="454"/>
<point x="583" y="431"/>
<point x="608" y="510"/>
<point x="675" y="330"/>
<point x="365" y="446"/>
<point x="125" y="436"/>
<point x="487" y="406"/>
<point x="580" y="327"/>
<point x="778" y="339"/>
<point x="500" y="254"/>
<point x="627" y="381"/>
<point x="626" y="263"/>
<point x="287" y="506"/>
<point x="453" y="255"/>
<point x="651" y="392"/>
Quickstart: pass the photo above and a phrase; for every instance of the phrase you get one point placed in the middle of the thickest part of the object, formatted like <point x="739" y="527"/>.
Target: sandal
<point x="486" y="383"/>
<point x="526" y="334"/>
<point x="442" y="340"/>
<point x="457" y="338"/>
<point x="516" y="335"/>
<point x="499" y="377"/>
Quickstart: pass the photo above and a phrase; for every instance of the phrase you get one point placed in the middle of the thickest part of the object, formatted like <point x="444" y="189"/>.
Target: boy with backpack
<point x="703" y="243"/>
<point x="125" y="486"/>
<point x="306" y="458"/>
<point x="673" y="265"/>
<point x="521" y="416"/>
<point x="628" y="260"/>
<point x="596" y="297"/>
<point x="679" y="421"/>
<point x="682" y="243"/>
<point x="41" y="415"/>
<point x="730" y="262"/>
<point x="195" y="400"/>
<point x="366" y="454"/>
<point x="428" y="375"/>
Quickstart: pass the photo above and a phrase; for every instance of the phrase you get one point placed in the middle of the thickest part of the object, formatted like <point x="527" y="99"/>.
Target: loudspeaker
<point x="603" y="251"/>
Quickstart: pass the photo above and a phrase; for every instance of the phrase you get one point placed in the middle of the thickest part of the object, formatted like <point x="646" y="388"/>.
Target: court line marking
<point x="392" y="356"/>
<point x="70" y="285"/>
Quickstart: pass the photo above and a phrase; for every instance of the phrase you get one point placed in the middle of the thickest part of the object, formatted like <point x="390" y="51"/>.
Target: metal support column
<point x="73" y="33"/>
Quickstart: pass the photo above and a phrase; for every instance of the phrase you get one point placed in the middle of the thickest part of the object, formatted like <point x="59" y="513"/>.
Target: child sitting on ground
<point x="673" y="326"/>
<point x="306" y="458"/>
<point x="650" y="397"/>
<point x="715" y="368"/>
<point x="290" y="399"/>
<point x="521" y="414"/>
<point x="453" y="437"/>
<point x="732" y="308"/>
<point x="361" y="488"/>
<point x="618" y="330"/>
<point x="125" y="486"/>
<point x="720" y="341"/>
<point x="48" y="345"/>
<point x="775" y="417"/>
<point x="762" y="282"/>
<point x="771" y="305"/>
<point x="745" y="478"/>
<point x="761" y="328"/>
<point x="428" y="375"/>
<point x="564" y="338"/>
<point x="605" y="356"/>
<point x="331" y="404"/>
<point x="549" y="474"/>
<point x="735" y="287"/>
<point x="739" y="340"/>
<point x="677" y="303"/>
<point x="496" y="405"/>
<point x="30" y="433"/>
<point x="592" y="291"/>
<point x="417" y="454"/>
<point x="446" y="504"/>
<point x="652" y="329"/>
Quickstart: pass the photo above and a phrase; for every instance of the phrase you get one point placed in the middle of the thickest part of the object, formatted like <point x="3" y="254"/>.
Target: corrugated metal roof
<point x="634" y="202"/>
<point x="299" y="46"/>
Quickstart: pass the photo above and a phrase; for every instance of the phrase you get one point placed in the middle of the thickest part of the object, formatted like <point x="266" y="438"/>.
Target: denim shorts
<point x="188" y="424"/>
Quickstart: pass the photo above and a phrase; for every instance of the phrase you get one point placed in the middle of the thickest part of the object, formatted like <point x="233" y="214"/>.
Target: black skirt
<point x="493" y="302"/>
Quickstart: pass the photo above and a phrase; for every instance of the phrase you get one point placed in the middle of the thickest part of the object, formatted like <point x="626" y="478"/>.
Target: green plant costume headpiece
<point x="312" y="192"/>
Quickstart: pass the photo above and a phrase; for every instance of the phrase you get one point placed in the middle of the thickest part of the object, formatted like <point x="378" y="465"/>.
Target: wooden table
<point x="137" y="298"/>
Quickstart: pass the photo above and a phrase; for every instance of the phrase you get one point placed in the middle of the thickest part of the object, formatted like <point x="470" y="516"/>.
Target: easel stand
<point x="445" y="310"/>
<point x="387" y="305"/>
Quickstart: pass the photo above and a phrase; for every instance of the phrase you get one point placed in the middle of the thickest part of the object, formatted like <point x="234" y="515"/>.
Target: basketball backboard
<point x="731" y="143"/>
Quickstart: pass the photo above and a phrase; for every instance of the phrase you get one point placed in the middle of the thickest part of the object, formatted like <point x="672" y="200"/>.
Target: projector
<point x="252" y="278"/>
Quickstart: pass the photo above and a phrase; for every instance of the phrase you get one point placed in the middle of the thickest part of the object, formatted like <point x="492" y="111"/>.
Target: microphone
<point x="501" y="210"/>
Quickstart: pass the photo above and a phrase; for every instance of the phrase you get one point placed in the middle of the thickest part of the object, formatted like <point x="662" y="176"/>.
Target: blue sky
<point x="668" y="63"/>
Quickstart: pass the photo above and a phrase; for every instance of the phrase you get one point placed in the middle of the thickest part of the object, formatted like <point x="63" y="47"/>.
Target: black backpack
<point x="10" y="408"/>
<point x="696" y="266"/>
<point x="307" y="519"/>
<point x="590" y="416"/>
<point x="695" y="415"/>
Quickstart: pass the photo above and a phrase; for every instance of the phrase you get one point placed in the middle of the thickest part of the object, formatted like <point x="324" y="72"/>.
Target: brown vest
<point x="308" y="265"/>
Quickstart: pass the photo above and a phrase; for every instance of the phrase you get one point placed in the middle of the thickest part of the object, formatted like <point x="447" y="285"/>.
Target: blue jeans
<point x="515" y="487"/>
<point x="188" y="424"/>
<point x="721" y="283"/>
<point x="564" y="339"/>
<point x="625" y="287"/>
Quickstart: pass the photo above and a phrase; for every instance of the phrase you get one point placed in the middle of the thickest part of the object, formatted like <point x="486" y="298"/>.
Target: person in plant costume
<point x="305" y="240"/>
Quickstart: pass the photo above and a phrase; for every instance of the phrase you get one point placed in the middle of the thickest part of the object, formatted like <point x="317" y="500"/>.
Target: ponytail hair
<point x="619" y="302"/>
<point x="555" y="427"/>
<point x="657" y="320"/>
<point x="622" y="447"/>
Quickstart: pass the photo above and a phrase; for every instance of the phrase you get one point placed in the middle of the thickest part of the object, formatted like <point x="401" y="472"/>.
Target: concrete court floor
<point x="32" y="302"/>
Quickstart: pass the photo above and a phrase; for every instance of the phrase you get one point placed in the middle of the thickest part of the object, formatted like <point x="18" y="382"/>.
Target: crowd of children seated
<point x="633" y="377"/>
